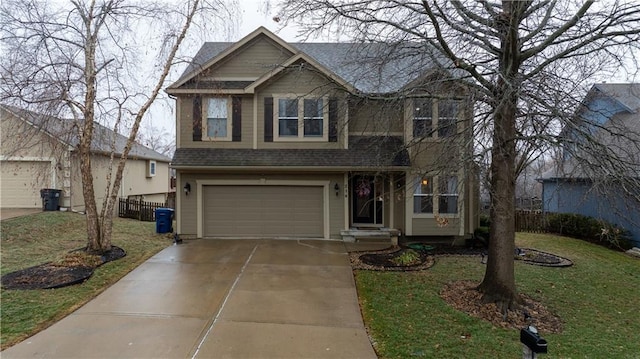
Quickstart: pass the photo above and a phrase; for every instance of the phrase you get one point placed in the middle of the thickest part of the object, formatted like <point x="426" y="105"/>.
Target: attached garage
<point x="263" y="211"/>
<point x="21" y="181"/>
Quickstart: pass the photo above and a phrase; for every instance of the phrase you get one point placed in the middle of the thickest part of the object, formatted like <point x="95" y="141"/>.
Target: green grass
<point x="48" y="236"/>
<point x="597" y="299"/>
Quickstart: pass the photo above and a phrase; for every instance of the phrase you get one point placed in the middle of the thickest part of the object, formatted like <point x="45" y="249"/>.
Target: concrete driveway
<point x="219" y="299"/>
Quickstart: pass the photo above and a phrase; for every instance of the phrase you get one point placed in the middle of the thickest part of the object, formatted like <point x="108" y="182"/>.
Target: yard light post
<point x="532" y="343"/>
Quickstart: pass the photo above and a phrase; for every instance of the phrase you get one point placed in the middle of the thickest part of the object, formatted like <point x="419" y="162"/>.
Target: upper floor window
<point x="288" y="117"/>
<point x="301" y="118"/>
<point x="218" y="123"/>
<point x="313" y="117"/>
<point x="423" y="117"/>
<point x="435" y="117"/>
<point x="440" y="199"/>
<point x="447" y="117"/>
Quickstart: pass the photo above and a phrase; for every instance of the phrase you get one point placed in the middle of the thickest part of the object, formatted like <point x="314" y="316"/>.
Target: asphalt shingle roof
<point x="368" y="67"/>
<point x="104" y="139"/>
<point x="369" y="152"/>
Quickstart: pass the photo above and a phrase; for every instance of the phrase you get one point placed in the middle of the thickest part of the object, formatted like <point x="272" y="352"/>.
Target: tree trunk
<point x="499" y="284"/>
<point x="97" y="240"/>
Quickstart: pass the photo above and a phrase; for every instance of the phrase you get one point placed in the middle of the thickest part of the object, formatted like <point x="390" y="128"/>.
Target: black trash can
<point x="50" y="199"/>
<point x="164" y="220"/>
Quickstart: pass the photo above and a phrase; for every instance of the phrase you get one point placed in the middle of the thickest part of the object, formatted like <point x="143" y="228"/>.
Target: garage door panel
<point x="21" y="181"/>
<point x="263" y="211"/>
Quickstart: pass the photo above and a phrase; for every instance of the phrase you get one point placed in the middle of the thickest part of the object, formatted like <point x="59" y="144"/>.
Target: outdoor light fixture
<point x="187" y="188"/>
<point x="337" y="188"/>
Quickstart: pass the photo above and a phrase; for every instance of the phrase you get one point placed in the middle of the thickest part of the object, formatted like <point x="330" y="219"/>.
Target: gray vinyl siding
<point x="252" y="60"/>
<point x="429" y="227"/>
<point x="375" y="117"/>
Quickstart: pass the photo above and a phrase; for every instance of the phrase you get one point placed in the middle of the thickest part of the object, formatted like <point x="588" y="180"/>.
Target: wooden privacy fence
<point x="530" y="221"/>
<point x="140" y="210"/>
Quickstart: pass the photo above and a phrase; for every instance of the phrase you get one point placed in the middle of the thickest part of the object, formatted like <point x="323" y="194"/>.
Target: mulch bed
<point x="383" y="260"/>
<point x="55" y="275"/>
<point x="463" y="296"/>
<point x="540" y="258"/>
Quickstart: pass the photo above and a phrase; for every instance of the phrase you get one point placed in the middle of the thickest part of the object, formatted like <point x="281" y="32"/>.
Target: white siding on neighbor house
<point x="21" y="182"/>
<point x="134" y="180"/>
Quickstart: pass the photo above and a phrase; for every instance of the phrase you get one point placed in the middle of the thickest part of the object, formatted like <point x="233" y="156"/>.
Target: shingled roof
<point x="363" y="152"/>
<point x="368" y="67"/>
<point x="104" y="139"/>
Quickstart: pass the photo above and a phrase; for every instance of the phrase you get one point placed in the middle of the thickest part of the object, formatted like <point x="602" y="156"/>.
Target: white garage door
<point x="21" y="181"/>
<point x="263" y="211"/>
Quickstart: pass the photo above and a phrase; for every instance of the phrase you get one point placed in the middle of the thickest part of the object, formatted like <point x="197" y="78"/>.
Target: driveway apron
<point x="219" y="299"/>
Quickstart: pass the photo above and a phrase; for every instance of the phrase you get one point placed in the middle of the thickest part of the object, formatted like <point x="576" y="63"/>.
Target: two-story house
<point x="317" y="140"/>
<point x="589" y="186"/>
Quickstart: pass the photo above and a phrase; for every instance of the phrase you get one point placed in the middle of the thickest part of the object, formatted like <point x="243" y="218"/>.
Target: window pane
<point x="217" y="117"/>
<point x="423" y="204"/>
<point x="447" y="118"/>
<point x="313" y="117"/>
<point x="422" y="117"/>
<point x="313" y="108"/>
<point x="423" y="108"/>
<point x="312" y="127"/>
<point x="288" y="108"/>
<point x="448" y="185"/>
<point x="288" y="117"/>
<point x="217" y="108"/>
<point x="423" y="198"/>
<point x="217" y="127"/>
<point x="288" y="127"/>
<point x="448" y="188"/>
<point x="448" y="204"/>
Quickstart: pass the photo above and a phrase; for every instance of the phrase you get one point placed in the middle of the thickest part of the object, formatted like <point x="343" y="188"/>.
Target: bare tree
<point x="84" y="60"/>
<point x="157" y="139"/>
<point x="527" y="62"/>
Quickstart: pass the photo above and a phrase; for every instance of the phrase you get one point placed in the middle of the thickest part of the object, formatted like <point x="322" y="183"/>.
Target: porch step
<point x="358" y="235"/>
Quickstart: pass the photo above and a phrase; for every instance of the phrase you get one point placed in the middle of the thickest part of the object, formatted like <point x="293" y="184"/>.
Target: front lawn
<point x="47" y="236"/>
<point x="597" y="299"/>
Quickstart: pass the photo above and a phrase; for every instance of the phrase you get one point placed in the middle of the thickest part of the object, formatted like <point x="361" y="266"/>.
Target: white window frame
<point x="431" y="131"/>
<point x="436" y="195"/>
<point x="205" y="119"/>
<point x="435" y="117"/>
<point x="152" y="168"/>
<point x="454" y="120"/>
<point x="300" y="137"/>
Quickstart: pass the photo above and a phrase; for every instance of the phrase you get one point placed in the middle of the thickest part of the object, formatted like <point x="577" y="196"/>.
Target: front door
<point x="366" y="204"/>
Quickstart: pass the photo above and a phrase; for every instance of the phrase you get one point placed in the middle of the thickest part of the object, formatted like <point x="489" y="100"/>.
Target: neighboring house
<point x="607" y="112"/>
<point x="39" y="152"/>
<point x="315" y="140"/>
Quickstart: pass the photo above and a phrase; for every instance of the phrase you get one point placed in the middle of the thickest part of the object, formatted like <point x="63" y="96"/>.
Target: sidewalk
<point x="219" y="299"/>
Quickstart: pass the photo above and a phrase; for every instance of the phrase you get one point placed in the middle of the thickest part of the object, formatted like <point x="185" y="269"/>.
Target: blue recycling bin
<point x="164" y="220"/>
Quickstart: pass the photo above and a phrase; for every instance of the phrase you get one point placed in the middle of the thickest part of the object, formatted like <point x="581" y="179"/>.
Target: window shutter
<point x="236" y="118"/>
<point x="333" y="120"/>
<point x="268" y="119"/>
<point x="197" y="118"/>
